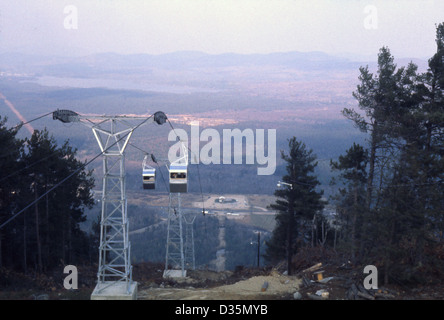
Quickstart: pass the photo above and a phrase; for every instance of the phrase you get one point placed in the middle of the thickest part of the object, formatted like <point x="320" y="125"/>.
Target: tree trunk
<point x="290" y="242"/>
<point x="335" y="237"/>
<point x="69" y="240"/>
<point x="388" y="249"/>
<point x="1" y="264"/>
<point x="353" y="230"/>
<point x="425" y="178"/>
<point x="37" y="234"/>
<point x="371" y="173"/>
<point x="313" y="226"/>
<point x="47" y="234"/>
<point x="289" y="253"/>
<point x="368" y="197"/>
<point x="25" y="262"/>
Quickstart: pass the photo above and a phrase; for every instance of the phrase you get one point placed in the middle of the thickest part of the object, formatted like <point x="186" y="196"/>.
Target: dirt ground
<point x="339" y="281"/>
<point x="225" y="285"/>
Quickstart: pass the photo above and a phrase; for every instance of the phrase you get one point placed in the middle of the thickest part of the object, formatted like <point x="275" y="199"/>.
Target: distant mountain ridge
<point x="179" y="60"/>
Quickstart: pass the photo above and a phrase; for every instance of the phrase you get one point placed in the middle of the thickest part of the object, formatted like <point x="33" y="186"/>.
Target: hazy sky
<point x="76" y="27"/>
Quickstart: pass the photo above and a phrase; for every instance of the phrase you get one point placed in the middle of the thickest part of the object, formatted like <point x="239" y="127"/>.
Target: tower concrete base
<point x="174" y="273"/>
<point x="110" y="290"/>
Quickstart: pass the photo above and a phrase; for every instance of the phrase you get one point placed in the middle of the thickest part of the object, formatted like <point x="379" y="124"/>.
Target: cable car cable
<point x="134" y="146"/>
<point x="164" y="181"/>
<point x="201" y="193"/>
<point x="21" y="124"/>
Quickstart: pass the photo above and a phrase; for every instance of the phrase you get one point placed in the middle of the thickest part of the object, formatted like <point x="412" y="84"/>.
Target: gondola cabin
<point x="148" y="176"/>
<point x="178" y="178"/>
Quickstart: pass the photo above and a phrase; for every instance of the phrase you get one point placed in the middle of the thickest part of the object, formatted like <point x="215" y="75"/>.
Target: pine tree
<point x="382" y="98"/>
<point x="9" y="157"/>
<point x="404" y="116"/>
<point x="350" y="200"/>
<point x="297" y="203"/>
<point x="376" y="96"/>
<point x="413" y="199"/>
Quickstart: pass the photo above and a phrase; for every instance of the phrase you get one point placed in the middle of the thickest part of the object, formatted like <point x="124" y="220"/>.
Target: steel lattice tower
<point x="114" y="249"/>
<point x="175" y="243"/>
<point x="112" y="134"/>
<point x="175" y="246"/>
<point x="190" y="261"/>
<point x="179" y="252"/>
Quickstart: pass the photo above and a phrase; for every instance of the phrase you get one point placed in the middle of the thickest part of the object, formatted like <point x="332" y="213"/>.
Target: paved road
<point x="17" y="113"/>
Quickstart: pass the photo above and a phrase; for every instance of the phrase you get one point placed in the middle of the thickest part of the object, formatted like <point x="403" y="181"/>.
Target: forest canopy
<point x="390" y="195"/>
<point x="40" y="217"/>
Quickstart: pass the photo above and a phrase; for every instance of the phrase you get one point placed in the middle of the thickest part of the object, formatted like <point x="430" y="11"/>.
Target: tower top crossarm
<point x="67" y="116"/>
<point x="110" y="131"/>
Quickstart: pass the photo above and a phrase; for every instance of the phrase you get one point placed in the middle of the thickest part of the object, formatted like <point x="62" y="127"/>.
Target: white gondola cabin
<point x="178" y="172"/>
<point x="178" y="178"/>
<point x="148" y="175"/>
